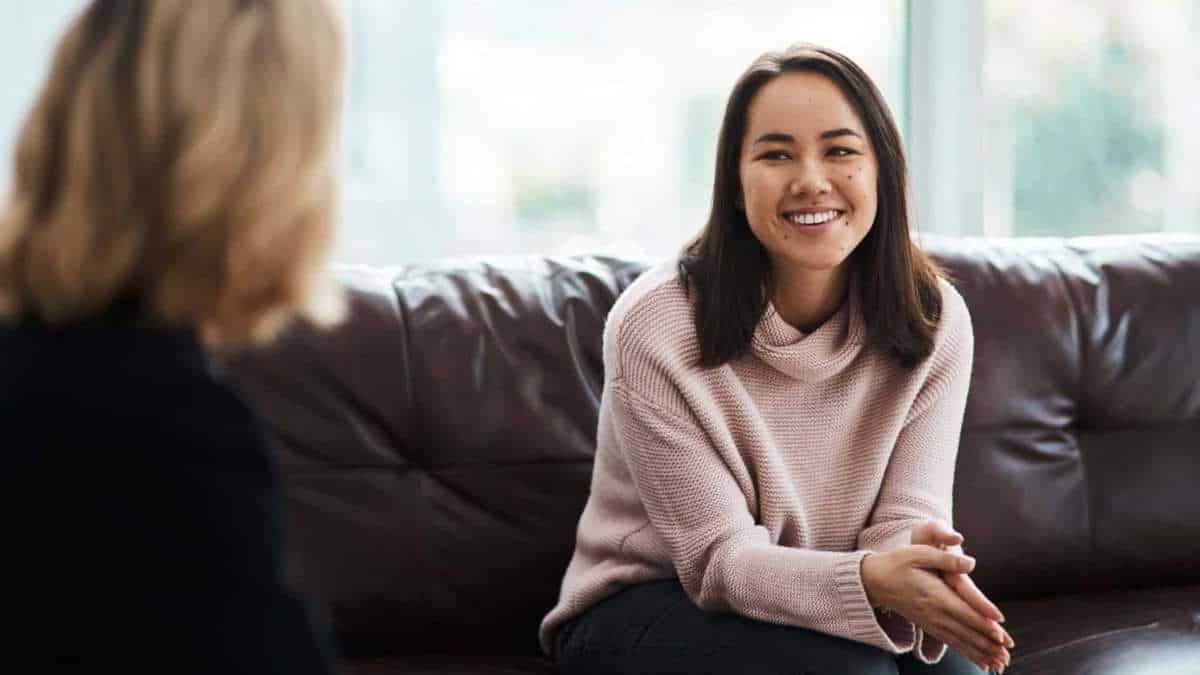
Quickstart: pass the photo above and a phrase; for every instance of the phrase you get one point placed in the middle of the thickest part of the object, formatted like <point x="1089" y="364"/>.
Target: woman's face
<point x="808" y="174"/>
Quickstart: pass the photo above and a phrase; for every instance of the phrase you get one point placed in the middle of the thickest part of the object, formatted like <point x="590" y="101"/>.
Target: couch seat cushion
<point x="1127" y="632"/>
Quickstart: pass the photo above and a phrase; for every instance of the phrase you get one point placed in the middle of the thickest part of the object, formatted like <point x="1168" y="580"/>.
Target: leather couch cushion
<point x="1145" y="631"/>
<point x="1081" y="444"/>
<point x="437" y="447"/>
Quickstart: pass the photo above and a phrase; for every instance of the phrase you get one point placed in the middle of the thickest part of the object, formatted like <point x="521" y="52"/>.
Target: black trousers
<point x="655" y="628"/>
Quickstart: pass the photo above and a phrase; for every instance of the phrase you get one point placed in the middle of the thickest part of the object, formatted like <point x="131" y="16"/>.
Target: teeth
<point x="812" y="218"/>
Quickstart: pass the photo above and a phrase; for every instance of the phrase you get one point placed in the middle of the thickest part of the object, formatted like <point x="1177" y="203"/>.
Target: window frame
<point x="944" y="114"/>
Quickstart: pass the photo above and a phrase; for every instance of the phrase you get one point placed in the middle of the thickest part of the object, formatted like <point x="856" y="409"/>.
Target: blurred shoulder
<point x="125" y="388"/>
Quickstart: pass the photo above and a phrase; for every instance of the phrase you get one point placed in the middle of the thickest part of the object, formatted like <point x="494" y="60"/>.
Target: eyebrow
<point x="774" y="137"/>
<point x="834" y="133"/>
<point x="779" y="137"/>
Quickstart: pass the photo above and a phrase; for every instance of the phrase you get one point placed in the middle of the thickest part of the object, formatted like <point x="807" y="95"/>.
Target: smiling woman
<point x="780" y="418"/>
<point x="809" y="183"/>
<point x="813" y="137"/>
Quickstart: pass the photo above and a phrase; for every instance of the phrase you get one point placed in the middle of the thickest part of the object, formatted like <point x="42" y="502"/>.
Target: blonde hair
<point x="182" y="156"/>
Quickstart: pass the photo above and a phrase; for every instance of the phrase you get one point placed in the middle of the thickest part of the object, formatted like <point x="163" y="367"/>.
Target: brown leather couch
<point x="437" y="451"/>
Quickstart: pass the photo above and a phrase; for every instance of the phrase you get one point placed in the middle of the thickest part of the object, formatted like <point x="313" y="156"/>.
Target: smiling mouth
<point x="811" y="218"/>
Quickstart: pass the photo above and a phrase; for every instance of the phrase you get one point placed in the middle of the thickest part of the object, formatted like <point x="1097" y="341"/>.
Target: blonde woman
<point x="173" y="191"/>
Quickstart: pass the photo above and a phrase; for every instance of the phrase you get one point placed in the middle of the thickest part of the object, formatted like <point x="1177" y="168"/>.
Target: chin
<point x="817" y="263"/>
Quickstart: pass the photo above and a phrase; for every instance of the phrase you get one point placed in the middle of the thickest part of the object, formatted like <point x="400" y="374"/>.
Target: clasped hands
<point x="927" y="583"/>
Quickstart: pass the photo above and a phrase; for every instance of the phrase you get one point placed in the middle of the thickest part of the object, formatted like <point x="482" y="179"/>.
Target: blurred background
<point x="525" y="126"/>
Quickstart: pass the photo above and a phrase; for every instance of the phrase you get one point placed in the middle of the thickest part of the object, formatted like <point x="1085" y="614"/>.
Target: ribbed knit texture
<point x="763" y="483"/>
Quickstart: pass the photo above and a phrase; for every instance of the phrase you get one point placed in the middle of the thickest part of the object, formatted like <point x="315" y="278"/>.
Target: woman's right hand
<point x="905" y="580"/>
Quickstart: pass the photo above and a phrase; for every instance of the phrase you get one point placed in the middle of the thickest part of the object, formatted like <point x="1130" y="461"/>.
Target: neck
<point x="805" y="299"/>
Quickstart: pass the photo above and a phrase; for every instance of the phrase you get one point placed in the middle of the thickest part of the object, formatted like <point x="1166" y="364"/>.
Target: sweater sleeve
<point x="724" y="559"/>
<point x="918" y="483"/>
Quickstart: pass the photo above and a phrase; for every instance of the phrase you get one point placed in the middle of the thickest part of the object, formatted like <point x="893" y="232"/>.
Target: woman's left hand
<point x="933" y="533"/>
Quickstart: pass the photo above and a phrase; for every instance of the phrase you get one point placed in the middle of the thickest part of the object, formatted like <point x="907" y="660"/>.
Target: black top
<point x="140" y="509"/>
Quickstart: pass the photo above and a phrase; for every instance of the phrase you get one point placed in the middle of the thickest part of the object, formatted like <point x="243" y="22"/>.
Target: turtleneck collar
<point x="815" y="356"/>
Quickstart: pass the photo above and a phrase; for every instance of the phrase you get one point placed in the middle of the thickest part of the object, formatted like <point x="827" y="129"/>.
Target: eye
<point x="776" y="155"/>
<point x="842" y="151"/>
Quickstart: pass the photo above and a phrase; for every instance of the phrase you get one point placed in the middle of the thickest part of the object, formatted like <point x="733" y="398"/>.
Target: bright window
<point x="517" y="126"/>
<point x="1093" y="116"/>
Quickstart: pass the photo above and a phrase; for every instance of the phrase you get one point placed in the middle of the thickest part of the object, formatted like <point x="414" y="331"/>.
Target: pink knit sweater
<point x="763" y="483"/>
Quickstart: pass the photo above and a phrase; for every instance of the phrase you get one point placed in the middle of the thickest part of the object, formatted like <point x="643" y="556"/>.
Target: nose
<point x="809" y="181"/>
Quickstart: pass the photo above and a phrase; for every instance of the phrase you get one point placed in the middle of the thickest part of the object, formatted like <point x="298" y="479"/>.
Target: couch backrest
<point x="437" y="447"/>
<point x="1079" y="463"/>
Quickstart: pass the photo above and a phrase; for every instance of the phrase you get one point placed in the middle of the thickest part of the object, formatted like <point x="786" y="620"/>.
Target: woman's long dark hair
<point x="726" y="268"/>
